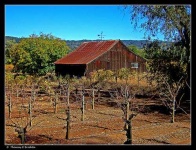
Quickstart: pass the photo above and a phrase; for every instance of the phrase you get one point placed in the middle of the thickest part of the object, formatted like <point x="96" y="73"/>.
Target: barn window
<point x="134" y="65"/>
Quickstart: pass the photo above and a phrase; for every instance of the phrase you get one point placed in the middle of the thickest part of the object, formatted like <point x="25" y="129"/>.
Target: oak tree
<point x="36" y="54"/>
<point x="174" y="23"/>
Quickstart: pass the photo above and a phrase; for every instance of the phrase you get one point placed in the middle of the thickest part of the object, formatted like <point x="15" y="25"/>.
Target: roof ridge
<point x="87" y="52"/>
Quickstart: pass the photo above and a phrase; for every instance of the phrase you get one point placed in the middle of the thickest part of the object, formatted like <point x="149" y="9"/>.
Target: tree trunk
<point x="23" y="137"/>
<point x="68" y="123"/>
<point x="127" y="110"/>
<point x="129" y="131"/>
<point x="127" y="106"/>
<point x="126" y="115"/>
<point x="173" y="111"/>
<point x="33" y="95"/>
<point x="10" y="105"/>
<point x="21" y="134"/>
<point x="187" y="89"/>
<point x="129" y="137"/>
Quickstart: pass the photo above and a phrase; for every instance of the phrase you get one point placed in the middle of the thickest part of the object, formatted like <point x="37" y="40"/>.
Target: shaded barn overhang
<point x="70" y="69"/>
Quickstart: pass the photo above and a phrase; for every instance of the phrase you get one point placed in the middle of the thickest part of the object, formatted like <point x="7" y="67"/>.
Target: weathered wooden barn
<point x="90" y="56"/>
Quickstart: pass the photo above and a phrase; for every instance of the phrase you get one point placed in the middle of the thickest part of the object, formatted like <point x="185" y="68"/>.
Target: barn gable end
<point x="91" y="56"/>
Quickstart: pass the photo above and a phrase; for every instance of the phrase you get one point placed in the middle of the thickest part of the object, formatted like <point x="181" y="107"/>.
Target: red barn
<point x="89" y="56"/>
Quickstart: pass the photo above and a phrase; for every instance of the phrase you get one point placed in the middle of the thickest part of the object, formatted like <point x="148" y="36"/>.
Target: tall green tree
<point x="172" y="21"/>
<point x="166" y="61"/>
<point x="136" y="50"/>
<point x="8" y="46"/>
<point x="36" y="54"/>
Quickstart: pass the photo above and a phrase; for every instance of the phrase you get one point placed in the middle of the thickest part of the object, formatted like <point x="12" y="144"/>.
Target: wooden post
<point x="30" y="111"/>
<point x="55" y="102"/>
<point x="17" y="91"/>
<point x="83" y="103"/>
<point x="93" y="98"/>
<point x="33" y="94"/>
<point x="138" y="81"/>
<point x="99" y="93"/>
<point x="68" y="94"/>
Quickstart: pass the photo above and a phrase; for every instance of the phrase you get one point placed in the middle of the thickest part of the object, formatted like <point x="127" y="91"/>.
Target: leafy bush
<point x="9" y="67"/>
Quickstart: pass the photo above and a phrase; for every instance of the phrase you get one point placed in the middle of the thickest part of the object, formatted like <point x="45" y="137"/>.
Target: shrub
<point x="9" y="67"/>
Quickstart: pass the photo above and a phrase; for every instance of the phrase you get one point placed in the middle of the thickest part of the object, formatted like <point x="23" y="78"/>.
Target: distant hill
<point x="73" y="44"/>
<point x="12" y="38"/>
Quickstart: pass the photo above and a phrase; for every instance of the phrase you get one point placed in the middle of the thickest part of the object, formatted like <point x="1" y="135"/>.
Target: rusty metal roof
<point x="87" y="52"/>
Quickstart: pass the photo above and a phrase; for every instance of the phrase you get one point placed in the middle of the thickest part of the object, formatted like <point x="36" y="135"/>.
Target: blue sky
<point x="71" y="22"/>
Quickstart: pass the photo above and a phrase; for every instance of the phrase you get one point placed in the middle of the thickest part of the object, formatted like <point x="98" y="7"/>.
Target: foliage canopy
<point x="8" y="45"/>
<point x="36" y="54"/>
<point x="174" y="23"/>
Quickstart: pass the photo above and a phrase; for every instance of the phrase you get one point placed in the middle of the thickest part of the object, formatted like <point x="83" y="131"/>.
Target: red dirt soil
<point x="103" y="125"/>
